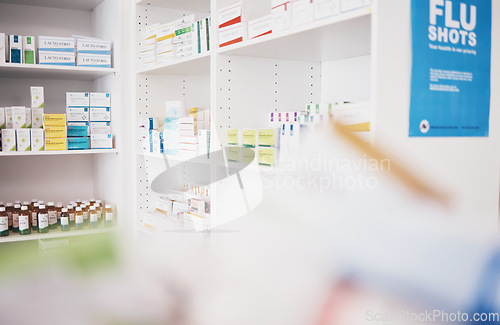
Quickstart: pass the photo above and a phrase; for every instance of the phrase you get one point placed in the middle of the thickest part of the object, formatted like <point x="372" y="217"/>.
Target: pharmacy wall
<point x="467" y="168"/>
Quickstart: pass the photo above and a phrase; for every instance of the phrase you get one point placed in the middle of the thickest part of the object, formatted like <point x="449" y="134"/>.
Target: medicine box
<point x="29" y="50"/>
<point x="326" y="8"/>
<point x="8" y="140"/>
<point x="54" y="120"/>
<point x="56" y="44"/>
<point x="93" y="60"/>
<point x="267" y="156"/>
<point x="78" y="131"/>
<point x="268" y="137"/>
<point x="249" y="138"/>
<point x="56" y="144"/>
<point x="174" y="109"/>
<point x="79" y="143"/>
<point x="37" y="140"/>
<point x="3" y="48"/>
<point x="18" y="117"/>
<point x="100" y="114"/>
<point x="28" y="117"/>
<point x="56" y="58"/>
<point x="347" y="5"/>
<point x="233" y="137"/>
<point x="37" y="118"/>
<point x="55" y="131"/>
<point x="281" y="17"/>
<point x="100" y="128"/>
<point x="302" y="12"/>
<point x="15" y="49"/>
<point x="8" y="118"/>
<point x="233" y="154"/>
<point x="100" y="100"/>
<point x="78" y="114"/>
<point x="260" y="27"/>
<point x="93" y="46"/>
<point x="233" y="34"/>
<point x="2" y="118"/>
<point x="37" y="97"/>
<point x="165" y="33"/>
<point x="23" y="140"/>
<point x="101" y="141"/>
<point x="230" y="15"/>
<point x="77" y="100"/>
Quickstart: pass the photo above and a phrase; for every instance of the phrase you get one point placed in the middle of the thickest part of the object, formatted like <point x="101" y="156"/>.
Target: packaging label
<point x="93" y="217"/>
<point x="43" y="220"/>
<point x="249" y="138"/>
<point x="24" y="222"/>
<point x="52" y="217"/>
<point x="4" y="223"/>
<point x="79" y="218"/>
<point x="109" y="216"/>
<point x="232" y="137"/>
<point x="34" y="220"/>
<point x="267" y="137"/>
<point x="71" y="217"/>
<point x="15" y="220"/>
<point x="267" y="156"/>
<point x="64" y="221"/>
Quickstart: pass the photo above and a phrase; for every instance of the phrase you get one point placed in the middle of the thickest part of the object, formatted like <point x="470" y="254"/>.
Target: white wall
<point x="468" y="168"/>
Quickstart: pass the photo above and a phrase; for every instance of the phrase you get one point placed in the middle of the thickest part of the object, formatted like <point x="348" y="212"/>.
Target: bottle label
<point x="93" y="217"/>
<point x="52" y="217"/>
<point x="15" y="220"/>
<point x="79" y="218"/>
<point x="4" y="223"/>
<point x="71" y="217"/>
<point x="43" y="220"/>
<point x="24" y="223"/>
<point x="34" y="220"/>
<point x="85" y="215"/>
<point x="64" y="221"/>
<point x="109" y="216"/>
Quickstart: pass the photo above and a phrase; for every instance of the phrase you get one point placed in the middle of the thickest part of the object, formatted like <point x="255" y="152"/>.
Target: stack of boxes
<point x="147" y="47"/>
<point x="56" y="51"/>
<point x="164" y="43"/>
<point x="100" y="120"/>
<point x="21" y="49"/>
<point x="188" y="143"/>
<point x="93" y="52"/>
<point x="54" y="126"/>
<point x="174" y="110"/>
<point x="232" y="29"/>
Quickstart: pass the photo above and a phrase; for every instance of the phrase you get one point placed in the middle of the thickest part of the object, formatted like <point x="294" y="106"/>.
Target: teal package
<point x="81" y="143"/>
<point x="78" y="131"/>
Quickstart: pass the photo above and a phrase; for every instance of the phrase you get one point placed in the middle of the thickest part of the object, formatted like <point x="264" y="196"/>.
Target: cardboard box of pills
<point x="56" y="44"/>
<point x="8" y="118"/>
<point x="260" y="27"/>
<point x="233" y="34"/>
<point x="100" y="128"/>
<point x="233" y="137"/>
<point x="8" y="140"/>
<point x="37" y="118"/>
<point x="28" y="117"/>
<point x="101" y="141"/>
<point x="3" y="48"/>
<point x="80" y="114"/>
<point x="100" y="114"/>
<point x="15" y="49"/>
<point x="2" y="118"/>
<point x="56" y="58"/>
<point x="18" y="117"/>
<point x="23" y="140"/>
<point x="29" y="50"/>
<point x="100" y="100"/>
<point x="55" y="131"/>
<point x="37" y="140"/>
<point x="267" y="156"/>
<point x="230" y="15"/>
<point x="347" y="5"/>
<point x="80" y="143"/>
<point x="233" y="154"/>
<point x="54" y="119"/>
<point x="326" y="8"/>
<point x="249" y="138"/>
<point x="93" y="46"/>
<point x="93" y="60"/>
<point x="37" y="97"/>
<point x="77" y="100"/>
<point x="268" y="138"/>
<point x="302" y="12"/>
<point x="281" y="17"/>
<point x="56" y="144"/>
<point x="78" y="131"/>
<point x="165" y="33"/>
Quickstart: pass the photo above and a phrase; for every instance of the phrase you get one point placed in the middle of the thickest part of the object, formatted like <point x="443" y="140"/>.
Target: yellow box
<point x="54" y="119"/>
<point x="233" y="154"/>
<point x="55" y="131"/>
<point x="232" y="137"/>
<point x="54" y="144"/>
<point x="193" y="112"/>
<point x="249" y="138"/>
<point x="267" y="156"/>
<point x="267" y="138"/>
<point x="247" y="155"/>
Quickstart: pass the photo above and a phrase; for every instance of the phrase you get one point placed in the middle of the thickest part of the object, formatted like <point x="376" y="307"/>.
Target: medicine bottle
<point x="78" y="202"/>
<point x="2" y="204"/>
<point x="26" y="203"/>
<point x="4" y="222"/>
<point x="108" y="212"/>
<point x="58" y="209"/>
<point x="85" y="211"/>
<point x="64" y="219"/>
<point x="99" y="213"/>
<point x="43" y="219"/>
<point x="24" y="221"/>
<point x="15" y="217"/>
<point x="51" y="208"/>
<point x="78" y="218"/>
<point x="71" y="213"/>
<point x="34" y="216"/>
<point x="94" y="221"/>
<point x="9" y="209"/>
<point x="92" y="201"/>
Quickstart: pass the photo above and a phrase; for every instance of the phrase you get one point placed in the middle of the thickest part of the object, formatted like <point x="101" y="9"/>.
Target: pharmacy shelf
<point x="196" y="65"/>
<point x="36" y="71"/>
<point x="343" y="36"/>
<point x="54" y="153"/>
<point x="86" y="5"/>
<point x="176" y="159"/>
<point x="191" y="5"/>
<point x="15" y="237"/>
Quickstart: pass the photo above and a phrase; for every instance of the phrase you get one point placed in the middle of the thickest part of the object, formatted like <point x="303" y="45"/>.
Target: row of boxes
<point x="61" y="51"/>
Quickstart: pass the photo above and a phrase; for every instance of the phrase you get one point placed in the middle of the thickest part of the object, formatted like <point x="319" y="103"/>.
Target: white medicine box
<point x="77" y="99"/>
<point x="23" y="139"/>
<point x="100" y="114"/>
<point x="348" y="5"/>
<point x="100" y="100"/>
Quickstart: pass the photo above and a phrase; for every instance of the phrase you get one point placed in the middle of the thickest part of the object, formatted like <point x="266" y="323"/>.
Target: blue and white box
<point x="100" y="127"/>
<point x="56" y="44"/>
<point x="15" y="49"/>
<point x="100" y="100"/>
<point x="56" y="58"/>
<point x="101" y="141"/>
<point x="77" y="131"/>
<point x="93" y="46"/>
<point x="78" y="143"/>
<point x="100" y="114"/>
<point x="77" y="100"/>
<point x="93" y="60"/>
<point x="77" y="114"/>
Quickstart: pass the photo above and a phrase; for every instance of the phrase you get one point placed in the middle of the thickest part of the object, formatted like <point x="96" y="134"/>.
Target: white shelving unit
<point x="63" y="175"/>
<point x="15" y="237"/>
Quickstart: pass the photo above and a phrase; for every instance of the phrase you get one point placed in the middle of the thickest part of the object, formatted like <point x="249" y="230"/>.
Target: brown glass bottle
<point x="52" y="210"/>
<point x="34" y="216"/>
<point x="43" y="219"/>
<point x="24" y="221"/>
<point x="15" y="217"/>
<point x="4" y="222"/>
<point x="9" y="208"/>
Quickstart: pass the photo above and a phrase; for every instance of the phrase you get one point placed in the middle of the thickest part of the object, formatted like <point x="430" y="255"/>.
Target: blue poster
<point x="450" y="82"/>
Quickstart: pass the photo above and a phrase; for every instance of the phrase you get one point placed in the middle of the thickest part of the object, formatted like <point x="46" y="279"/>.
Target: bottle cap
<point x="42" y="206"/>
<point x="108" y="206"/>
<point x="17" y="206"/>
<point x="2" y="209"/>
<point x="26" y="203"/>
<point x="24" y="208"/>
<point x="51" y="203"/>
<point x="70" y="206"/>
<point x="36" y="204"/>
<point x="92" y="208"/>
<point x="9" y="204"/>
<point x="79" y="209"/>
<point x="64" y="210"/>
<point x="34" y="200"/>
<point x="59" y="205"/>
